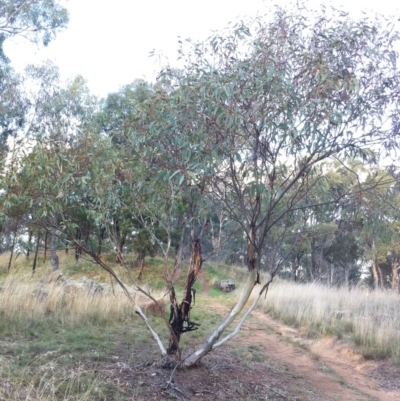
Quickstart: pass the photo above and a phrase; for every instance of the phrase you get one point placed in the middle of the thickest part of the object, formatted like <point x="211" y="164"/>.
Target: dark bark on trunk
<point x="100" y="241"/>
<point x="28" y="251"/>
<point x="180" y="315"/>
<point x="313" y="268"/>
<point x="46" y="237"/>
<point x="78" y="247"/>
<point x="121" y="247"/>
<point x="12" y="253"/>
<point x="36" y="253"/>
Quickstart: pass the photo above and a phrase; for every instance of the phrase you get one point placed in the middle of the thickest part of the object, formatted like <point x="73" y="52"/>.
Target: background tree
<point x="56" y="125"/>
<point x="377" y="216"/>
<point x="38" y="20"/>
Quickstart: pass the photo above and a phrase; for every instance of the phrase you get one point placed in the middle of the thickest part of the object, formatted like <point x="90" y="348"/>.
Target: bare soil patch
<point x="223" y="375"/>
<point x="331" y="366"/>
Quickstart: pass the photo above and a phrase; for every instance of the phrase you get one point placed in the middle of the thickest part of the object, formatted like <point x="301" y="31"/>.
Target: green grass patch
<point x="56" y="361"/>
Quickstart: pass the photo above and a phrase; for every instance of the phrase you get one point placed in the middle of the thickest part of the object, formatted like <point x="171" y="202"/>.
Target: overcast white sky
<point x="108" y="41"/>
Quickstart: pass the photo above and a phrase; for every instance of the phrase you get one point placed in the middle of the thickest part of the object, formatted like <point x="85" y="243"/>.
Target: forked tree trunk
<point x="252" y="280"/>
<point x="180" y="319"/>
<point x="214" y="337"/>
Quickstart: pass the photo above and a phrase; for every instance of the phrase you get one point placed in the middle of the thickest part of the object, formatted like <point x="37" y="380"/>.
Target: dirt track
<point x="330" y="366"/>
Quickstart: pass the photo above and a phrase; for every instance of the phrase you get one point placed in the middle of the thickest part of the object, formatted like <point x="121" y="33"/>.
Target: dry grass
<point x="51" y="338"/>
<point x="370" y="318"/>
<point x="23" y="297"/>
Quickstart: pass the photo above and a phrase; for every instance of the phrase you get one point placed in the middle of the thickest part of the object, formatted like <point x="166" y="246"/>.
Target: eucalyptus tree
<point x="56" y="123"/>
<point x="13" y="108"/>
<point x="117" y="117"/>
<point x="38" y="21"/>
<point x="333" y="214"/>
<point x="377" y="217"/>
<point x="276" y="97"/>
<point x="172" y="194"/>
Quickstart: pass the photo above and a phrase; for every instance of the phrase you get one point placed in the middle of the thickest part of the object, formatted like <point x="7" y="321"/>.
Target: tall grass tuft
<point x="371" y="319"/>
<point x="25" y="299"/>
